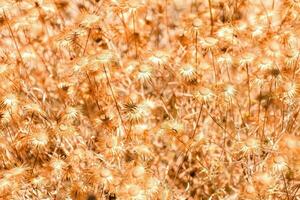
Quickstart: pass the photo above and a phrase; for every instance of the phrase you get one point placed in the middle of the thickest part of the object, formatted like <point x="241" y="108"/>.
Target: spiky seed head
<point x="10" y="101"/>
<point x="265" y="64"/>
<point x="225" y="59"/>
<point x="89" y="21"/>
<point x="247" y="59"/>
<point x="159" y="58"/>
<point x="138" y="171"/>
<point x="106" y="57"/>
<point x="105" y="172"/>
<point x="204" y="95"/>
<point x="229" y="92"/>
<point x="291" y="90"/>
<point x="145" y="73"/>
<point x="143" y="151"/>
<point x="188" y="72"/>
<point x="273" y="49"/>
<point x="208" y="42"/>
<point x="173" y="126"/>
<point x="279" y="164"/>
<point x="39" y="139"/>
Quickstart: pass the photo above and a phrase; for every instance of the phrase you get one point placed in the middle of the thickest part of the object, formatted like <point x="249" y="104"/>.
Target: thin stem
<point x="228" y="74"/>
<point x="285" y="17"/>
<point x="259" y="103"/>
<point x="162" y="100"/>
<point x="167" y="21"/>
<point x="214" y="66"/>
<point x="92" y="88"/>
<point x="295" y="67"/>
<point x="196" y="47"/>
<point x="286" y="187"/>
<point x="87" y="39"/>
<point x="114" y="98"/>
<point x="282" y="117"/>
<point x="125" y="28"/>
<point x="135" y="42"/>
<point x="197" y="122"/>
<point x="14" y="39"/>
<point x="211" y="18"/>
<point x="248" y="83"/>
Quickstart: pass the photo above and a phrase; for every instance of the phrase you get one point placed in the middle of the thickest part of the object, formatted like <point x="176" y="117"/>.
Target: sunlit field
<point x="149" y="100"/>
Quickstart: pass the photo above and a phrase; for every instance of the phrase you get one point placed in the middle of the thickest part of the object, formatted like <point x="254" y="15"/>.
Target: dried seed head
<point x="134" y="112"/>
<point x="197" y="22"/>
<point x="10" y="101"/>
<point x="105" y="173"/>
<point x="225" y="59"/>
<point x="33" y="108"/>
<point x="57" y="165"/>
<point x="188" y="72"/>
<point x="251" y="145"/>
<point x="264" y="179"/>
<point x="5" y="117"/>
<point x="159" y="58"/>
<point x="16" y="173"/>
<point x="106" y="57"/>
<point x="208" y="42"/>
<point x="273" y="49"/>
<point x="250" y="189"/>
<point x="89" y="21"/>
<point x="279" y="164"/>
<point x="247" y="59"/>
<point x="229" y="92"/>
<point x="291" y="90"/>
<point x="204" y="95"/>
<point x="173" y="127"/>
<point x="6" y="185"/>
<point x="134" y="192"/>
<point x="144" y="73"/>
<point x="143" y="151"/>
<point x="4" y="69"/>
<point x="39" y="139"/>
<point x="265" y="64"/>
<point x="71" y="113"/>
<point x="291" y="57"/>
<point x="138" y="171"/>
<point x="152" y="186"/>
<point x="226" y="33"/>
<point x="258" y="32"/>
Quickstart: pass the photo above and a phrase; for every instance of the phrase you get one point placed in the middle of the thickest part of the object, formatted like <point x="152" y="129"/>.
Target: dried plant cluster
<point x="149" y="99"/>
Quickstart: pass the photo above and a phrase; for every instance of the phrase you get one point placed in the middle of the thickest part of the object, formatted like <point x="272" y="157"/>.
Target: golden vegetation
<point x="149" y="99"/>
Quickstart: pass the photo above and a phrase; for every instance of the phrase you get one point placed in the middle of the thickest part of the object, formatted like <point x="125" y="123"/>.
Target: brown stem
<point x="196" y="47"/>
<point x="214" y="66"/>
<point x="295" y="67"/>
<point x="14" y="39"/>
<point x="87" y="39"/>
<point x="135" y="42"/>
<point x="259" y="103"/>
<point x="211" y="18"/>
<point x="248" y="82"/>
<point x="286" y="187"/>
<point x="114" y="98"/>
<point x="167" y="21"/>
<point x="197" y="122"/>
